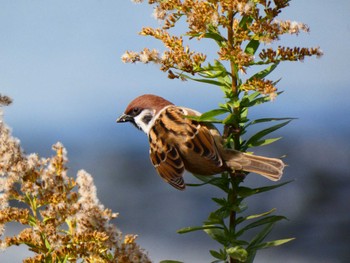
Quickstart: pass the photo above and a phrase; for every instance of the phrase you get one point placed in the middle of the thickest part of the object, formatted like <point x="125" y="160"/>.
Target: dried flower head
<point x="265" y="87"/>
<point x="4" y="100"/>
<point x="63" y="218"/>
<point x="239" y="27"/>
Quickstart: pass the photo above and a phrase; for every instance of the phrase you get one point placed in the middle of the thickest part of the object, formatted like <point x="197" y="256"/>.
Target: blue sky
<point x="60" y="62"/>
<point x="64" y="57"/>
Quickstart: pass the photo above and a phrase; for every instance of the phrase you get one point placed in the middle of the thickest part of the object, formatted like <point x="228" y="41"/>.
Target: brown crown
<point x="148" y="101"/>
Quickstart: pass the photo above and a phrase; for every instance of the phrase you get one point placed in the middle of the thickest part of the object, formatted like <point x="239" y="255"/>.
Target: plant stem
<point x="230" y="40"/>
<point x="233" y="128"/>
<point x="233" y="198"/>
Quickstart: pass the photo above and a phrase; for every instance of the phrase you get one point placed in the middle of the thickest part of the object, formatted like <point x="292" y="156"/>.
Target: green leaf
<point x="263" y="221"/>
<point x="263" y="120"/>
<point x="255" y="98"/>
<point x="207" y="116"/>
<point x="219" y="65"/>
<point x="47" y="244"/>
<point x="238" y="253"/>
<point x="214" y="71"/>
<point x="274" y="243"/>
<point x="220" y="201"/>
<point x="221" y="182"/>
<point x="262" y="74"/>
<point x="47" y="219"/>
<point x="230" y="119"/>
<point x="32" y="220"/>
<point x="263" y="142"/>
<point x="252" y="47"/>
<point x="65" y="260"/>
<point x="208" y="81"/>
<point x="260" y="215"/>
<point x="219" y="39"/>
<point x="196" y="228"/>
<point x="257" y="240"/>
<point x="219" y="215"/>
<point x="252" y="96"/>
<point x="246" y="191"/>
<point x="217" y="234"/>
<point x="259" y="100"/>
<point x="260" y="236"/>
<point x="256" y="137"/>
<point x="246" y="20"/>
<point x="218" y="255"/>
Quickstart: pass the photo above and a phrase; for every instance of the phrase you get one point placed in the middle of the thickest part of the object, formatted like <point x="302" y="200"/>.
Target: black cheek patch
<point x="147" y="118"/>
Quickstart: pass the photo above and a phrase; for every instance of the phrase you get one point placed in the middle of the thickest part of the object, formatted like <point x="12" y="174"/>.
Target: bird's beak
<point x="125" y="118"/>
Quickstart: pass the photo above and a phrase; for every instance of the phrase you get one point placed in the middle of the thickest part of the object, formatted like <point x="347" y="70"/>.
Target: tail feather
<point x="271" y="168"/>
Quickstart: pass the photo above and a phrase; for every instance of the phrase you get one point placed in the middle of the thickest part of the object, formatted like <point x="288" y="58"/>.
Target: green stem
<point x="233" y="128"/>
<point x="230" y="40"/>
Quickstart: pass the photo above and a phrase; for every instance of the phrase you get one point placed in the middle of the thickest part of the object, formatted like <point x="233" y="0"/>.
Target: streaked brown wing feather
<point x="173" y="136"/>
<point x="200" y="138"/>
<point x="192" y="138"/>
<point x="204" y="144"/>
<point x="165" y="158"/>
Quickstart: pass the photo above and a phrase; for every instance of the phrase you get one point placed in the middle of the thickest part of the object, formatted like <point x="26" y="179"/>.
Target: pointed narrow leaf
<point x="219" y="65"/>
<point x="260" y="236"/>
<point x="263" y="142"/>
<point x="262" y="74"/>
<point x="259" y="100"/>
<point x="274" y="243"/>
<point x="210" y="114"/>
<point x="215" y="36"/>
<point x="220" y="201"/>
<point x="32" y="220"/>
<point x="263" y="221"/>
<point x="47" y="244"/>
<point x="256" y="137"/>
<point x="221" y="182"/>
<point x="257" y="240"/>
<point x="252" y="47"/>
<point x="263" y="120"/>
<point x="246" y="191"/>
<point x="255" y="99"/>
<point x="261" y="215"/>
<point x="218" y="255"/>
<point x="196" y="228"/>
<point x="252" y="96"/>
<point x="244" y="21"/>
<point x="208" y="81"/>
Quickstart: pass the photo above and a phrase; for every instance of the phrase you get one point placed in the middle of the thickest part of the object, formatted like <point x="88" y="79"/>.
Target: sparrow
<point x="178" y="143"/>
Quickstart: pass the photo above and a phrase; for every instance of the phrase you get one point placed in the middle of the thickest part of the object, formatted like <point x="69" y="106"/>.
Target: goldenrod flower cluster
<point x="62" y="217"/>
<point x="239" y="27"/>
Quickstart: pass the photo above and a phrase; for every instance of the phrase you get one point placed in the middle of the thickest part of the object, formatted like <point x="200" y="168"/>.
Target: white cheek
<point x="145" y="127"/>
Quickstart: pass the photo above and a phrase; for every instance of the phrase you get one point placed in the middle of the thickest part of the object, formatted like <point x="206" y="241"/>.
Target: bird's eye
<point x="135" y="111"/>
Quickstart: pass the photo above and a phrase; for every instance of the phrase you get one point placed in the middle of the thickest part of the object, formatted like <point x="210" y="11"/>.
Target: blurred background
<point x="60" y="62"/>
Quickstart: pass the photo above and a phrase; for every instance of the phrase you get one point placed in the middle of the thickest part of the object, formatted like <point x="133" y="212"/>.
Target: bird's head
<point x="143" y="110"/>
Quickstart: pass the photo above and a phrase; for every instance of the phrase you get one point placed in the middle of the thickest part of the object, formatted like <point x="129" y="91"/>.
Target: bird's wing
<point x="164" y="155"/>
<point x="173" y="136"/>
<point x="201" y="139"/>
<point x="168" y="164"/>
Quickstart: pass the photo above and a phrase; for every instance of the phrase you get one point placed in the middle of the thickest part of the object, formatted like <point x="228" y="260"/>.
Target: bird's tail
<point x="271" y="168"/>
